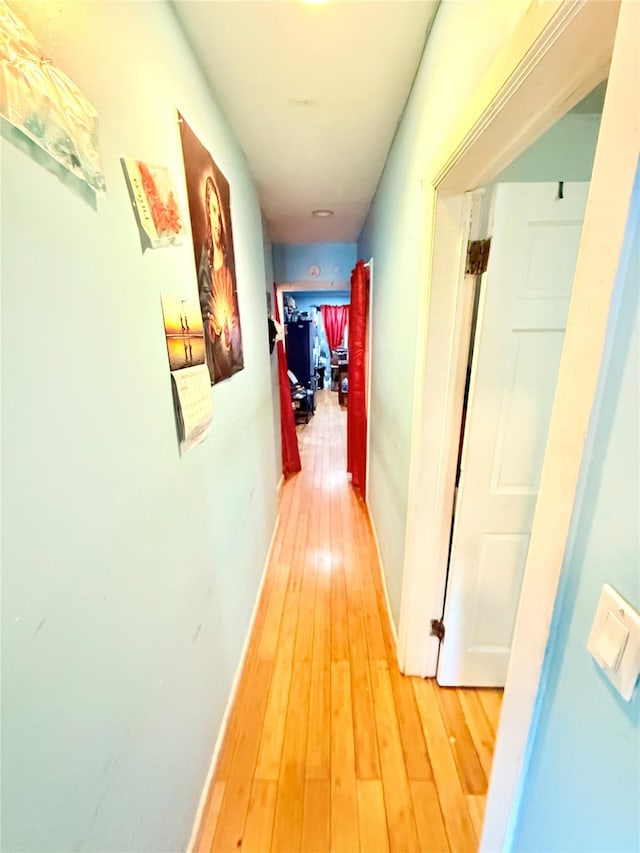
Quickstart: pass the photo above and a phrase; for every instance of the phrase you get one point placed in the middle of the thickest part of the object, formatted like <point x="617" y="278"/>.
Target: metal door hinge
<point x="477" y="256"/>
<point x="437" y="629"/>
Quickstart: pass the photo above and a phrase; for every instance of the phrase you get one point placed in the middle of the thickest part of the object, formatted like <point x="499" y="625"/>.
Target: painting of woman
<point x="217" y="294"/>
<point x="208" y="193"/>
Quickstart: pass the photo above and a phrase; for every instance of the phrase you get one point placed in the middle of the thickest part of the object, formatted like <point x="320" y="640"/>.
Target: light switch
<point x="614" y="641"/>
<point x="611" y="641"/>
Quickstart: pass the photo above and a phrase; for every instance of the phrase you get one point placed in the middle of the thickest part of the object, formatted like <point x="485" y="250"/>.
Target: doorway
<point x="531" y="218"/>
<point x="553" y="60"/>
<point x="327" y="339"/>
<point x="306" y="341"/>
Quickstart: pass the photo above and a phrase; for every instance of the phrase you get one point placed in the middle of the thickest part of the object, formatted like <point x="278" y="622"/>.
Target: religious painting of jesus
<point x="209" y="209"/>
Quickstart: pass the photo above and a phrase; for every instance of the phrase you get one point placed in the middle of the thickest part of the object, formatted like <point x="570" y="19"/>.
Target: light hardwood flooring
<point x="328" y="746"/>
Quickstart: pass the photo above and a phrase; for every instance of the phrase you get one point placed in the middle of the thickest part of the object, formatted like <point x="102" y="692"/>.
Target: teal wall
<point x="306" y="298"/>
<point x="129" y="574"/>
<point x="292" y="261"/>
<point x="465" y="38"/>
<point x="564" y="153"/>
<point x="581" y="789"/>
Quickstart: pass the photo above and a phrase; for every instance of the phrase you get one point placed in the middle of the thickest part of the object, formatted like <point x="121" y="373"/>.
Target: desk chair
<point x="303" y="399"/>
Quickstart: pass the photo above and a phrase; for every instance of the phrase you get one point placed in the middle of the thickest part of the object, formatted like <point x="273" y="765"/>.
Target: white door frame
<point x="560" y="50"/>
<point x="556" y="55"/>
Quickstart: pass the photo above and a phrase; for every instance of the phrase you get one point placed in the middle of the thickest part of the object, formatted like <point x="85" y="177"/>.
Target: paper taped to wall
<point x="45" y="105"/>
<point x="193" y="405"/>
<point x="154" y="201"/>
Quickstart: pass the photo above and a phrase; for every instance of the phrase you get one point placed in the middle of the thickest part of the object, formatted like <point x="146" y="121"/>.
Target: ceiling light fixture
<point x="322" y="213"/>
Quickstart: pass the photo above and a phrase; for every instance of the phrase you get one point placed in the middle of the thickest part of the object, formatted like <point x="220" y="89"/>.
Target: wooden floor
<point x="329" y="747"/>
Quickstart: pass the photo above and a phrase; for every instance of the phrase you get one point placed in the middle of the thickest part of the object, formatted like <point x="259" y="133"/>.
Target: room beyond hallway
<point x="328" y="746"/>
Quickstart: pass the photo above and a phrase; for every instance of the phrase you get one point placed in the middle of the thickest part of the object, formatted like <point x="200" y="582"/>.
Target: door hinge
<point x="437" y="629"/>
<point x="477" y="256"/>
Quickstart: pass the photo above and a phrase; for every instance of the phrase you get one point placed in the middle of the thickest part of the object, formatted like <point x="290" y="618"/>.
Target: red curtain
<point x="358" y="367"/>
<point x="334" y="318"/>
<point x="290" y="453"/>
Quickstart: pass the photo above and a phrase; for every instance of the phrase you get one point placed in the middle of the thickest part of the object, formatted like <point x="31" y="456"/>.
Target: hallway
<point x="328" y="747"/>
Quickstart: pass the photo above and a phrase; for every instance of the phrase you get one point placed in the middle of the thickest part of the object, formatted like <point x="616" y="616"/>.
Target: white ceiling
<point x="314" y="93"/>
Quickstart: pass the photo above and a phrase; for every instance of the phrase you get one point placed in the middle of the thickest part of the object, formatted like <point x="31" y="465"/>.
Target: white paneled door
<point x="524" y="300"/>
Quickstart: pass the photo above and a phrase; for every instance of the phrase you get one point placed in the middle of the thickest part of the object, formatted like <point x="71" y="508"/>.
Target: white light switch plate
<point x="614" y="641"/>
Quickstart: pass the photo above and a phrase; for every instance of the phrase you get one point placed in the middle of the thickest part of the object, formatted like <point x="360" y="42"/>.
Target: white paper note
<point x="194" y="404"/>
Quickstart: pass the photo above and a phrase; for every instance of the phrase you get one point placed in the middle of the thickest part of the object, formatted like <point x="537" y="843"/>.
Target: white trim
<point x="539" y="76"/>
<point x="457" y="219"/>
<point x="280" y="303"/>
<point x="232" y="696"/>
<point x="384" y="579"/>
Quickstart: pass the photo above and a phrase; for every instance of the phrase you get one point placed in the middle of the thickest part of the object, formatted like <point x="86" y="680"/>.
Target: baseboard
<point x="232" y="697"/>
<point x="384" y="579"/>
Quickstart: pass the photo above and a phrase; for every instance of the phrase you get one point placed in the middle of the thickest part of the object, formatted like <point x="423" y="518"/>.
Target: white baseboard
<point x="384" y="581"/>
<point x="232" y="697"/>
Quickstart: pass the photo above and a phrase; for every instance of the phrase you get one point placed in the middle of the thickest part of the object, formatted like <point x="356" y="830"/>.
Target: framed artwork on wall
<point x="209" y="210"/>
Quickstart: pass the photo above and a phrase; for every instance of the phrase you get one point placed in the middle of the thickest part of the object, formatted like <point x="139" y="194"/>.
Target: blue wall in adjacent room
<point x="306" y="298"/>
<point x="292" y="261"/>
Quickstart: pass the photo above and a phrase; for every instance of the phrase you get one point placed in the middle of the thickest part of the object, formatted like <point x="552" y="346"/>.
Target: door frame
<point x="558" y="52"/>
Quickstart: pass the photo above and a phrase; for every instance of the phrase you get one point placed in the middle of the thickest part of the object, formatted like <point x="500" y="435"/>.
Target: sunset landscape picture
<point x="183" y="331"/>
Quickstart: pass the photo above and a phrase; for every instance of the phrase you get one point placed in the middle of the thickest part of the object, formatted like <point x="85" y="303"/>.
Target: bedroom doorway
<point x="553" y="59"/>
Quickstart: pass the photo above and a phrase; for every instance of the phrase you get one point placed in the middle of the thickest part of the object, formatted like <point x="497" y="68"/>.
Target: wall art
<point x="154" y="201"/>
<point x="191" y="387"/>
<point x="209" y="209"/>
